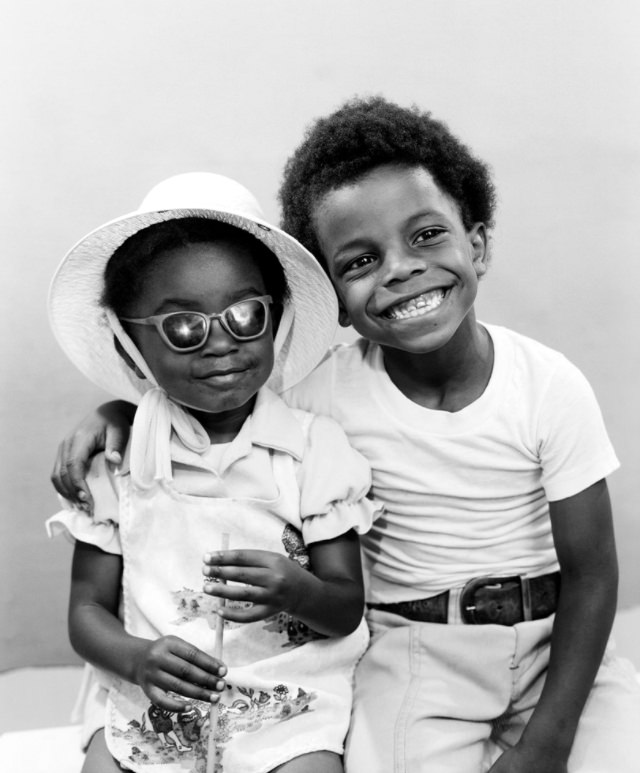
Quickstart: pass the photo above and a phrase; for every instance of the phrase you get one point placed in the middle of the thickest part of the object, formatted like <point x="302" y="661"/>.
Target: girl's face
<point x="403" y="265"/>
<point x="223" y="376"/>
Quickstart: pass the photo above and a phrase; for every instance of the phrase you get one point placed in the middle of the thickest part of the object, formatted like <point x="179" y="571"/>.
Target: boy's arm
<point x="107" y="429"/>
<point x="97" y="635"/>
<point x="585" y="545"/>
<point x="329" y="598"/>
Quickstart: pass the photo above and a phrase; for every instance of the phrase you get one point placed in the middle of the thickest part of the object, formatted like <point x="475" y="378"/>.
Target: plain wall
<point x="101" y="100"/>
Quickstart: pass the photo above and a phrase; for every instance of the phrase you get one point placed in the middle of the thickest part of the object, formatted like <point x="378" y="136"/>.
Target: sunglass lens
<point x="246" y="319"/>
<point x="184" y="330"/>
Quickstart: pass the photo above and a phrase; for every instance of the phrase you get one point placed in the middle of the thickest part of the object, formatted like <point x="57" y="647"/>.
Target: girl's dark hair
<point x="127" y="268"/>
<point x="367" y="133"/>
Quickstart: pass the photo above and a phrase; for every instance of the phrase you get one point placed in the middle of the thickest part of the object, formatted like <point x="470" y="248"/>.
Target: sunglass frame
<point x="157" y="321"/>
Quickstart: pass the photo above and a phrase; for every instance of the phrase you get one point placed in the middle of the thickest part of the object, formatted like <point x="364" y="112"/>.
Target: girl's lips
<point x="218" y="375"/>
<point x="416" y="306"/>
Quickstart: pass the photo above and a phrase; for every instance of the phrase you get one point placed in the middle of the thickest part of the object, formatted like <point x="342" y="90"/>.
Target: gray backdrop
<point x="100" y="100"/>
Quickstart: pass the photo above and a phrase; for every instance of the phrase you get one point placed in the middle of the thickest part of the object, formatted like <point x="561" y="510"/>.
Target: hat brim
<point x="81" y="327"/>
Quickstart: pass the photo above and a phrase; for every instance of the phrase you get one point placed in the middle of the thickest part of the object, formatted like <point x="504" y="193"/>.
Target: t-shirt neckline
<point x="405" y="410"/>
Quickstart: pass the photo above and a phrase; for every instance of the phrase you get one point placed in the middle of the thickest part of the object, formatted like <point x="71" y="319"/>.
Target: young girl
<point x="492" y="572"/>
<point x="176" y="306"/>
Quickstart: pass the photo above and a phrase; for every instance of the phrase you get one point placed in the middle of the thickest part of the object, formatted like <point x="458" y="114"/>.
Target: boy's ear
<point x="343" y="316"/>
<point x="130" y="363"/>
<point x="479" y="241"/>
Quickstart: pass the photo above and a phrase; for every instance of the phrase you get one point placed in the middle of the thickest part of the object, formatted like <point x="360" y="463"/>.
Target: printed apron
<point x="288" y="690"/>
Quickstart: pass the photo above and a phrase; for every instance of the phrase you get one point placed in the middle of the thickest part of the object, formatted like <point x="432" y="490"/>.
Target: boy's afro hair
<point x="366" y="133"/>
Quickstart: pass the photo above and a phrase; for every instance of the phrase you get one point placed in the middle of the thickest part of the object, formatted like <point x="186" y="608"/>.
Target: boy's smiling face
<point x="403" y="265"/>
<point x="224" y="375"/>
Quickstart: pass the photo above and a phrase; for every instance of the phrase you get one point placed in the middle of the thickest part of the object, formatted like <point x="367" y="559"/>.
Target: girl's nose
<point x="219" y="342"/>
<point x="401" y="264"/>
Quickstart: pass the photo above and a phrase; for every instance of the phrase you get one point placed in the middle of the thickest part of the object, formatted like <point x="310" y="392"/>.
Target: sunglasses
<point x="186" y="331"/>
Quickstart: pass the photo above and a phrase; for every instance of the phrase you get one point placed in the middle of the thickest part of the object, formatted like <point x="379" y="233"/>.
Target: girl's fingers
<point x="247" y="615"/>
<point x="189" y="664"/>
<point x="247" y="558"/>
<point x="196" y="676"/>
<point x="235" y="592"/>
<point x="244" y="574"/>
<point x="191" y="691"/>
<point x="183" y="650"/>
<point x="169" y="702"/>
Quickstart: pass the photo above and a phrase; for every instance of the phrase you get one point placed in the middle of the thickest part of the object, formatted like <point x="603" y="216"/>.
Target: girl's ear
<point x="276" y="316"/>
<point x="479" y="242"/>
<point x="130" y="363"/>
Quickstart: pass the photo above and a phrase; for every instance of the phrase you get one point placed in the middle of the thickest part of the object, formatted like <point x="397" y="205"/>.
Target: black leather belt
<point x="487" y="600"/>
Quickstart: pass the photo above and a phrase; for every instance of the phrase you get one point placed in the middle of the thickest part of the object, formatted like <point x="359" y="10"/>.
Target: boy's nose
<point x="400" y="265"/>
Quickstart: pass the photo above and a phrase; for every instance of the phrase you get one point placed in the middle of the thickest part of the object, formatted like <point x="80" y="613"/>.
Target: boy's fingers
<point x="69" y="482"/>
<point x="115" y="442"/>
<point x="76" y="472"/>
<point x="61" y="483"/>
<point x="59" y="476"/>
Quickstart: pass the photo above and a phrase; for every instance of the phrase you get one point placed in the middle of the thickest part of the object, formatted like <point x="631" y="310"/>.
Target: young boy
<point x="490" y="455"/>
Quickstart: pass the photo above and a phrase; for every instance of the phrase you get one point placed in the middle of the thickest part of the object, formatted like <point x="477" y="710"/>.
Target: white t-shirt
<point x="466" y="493"/>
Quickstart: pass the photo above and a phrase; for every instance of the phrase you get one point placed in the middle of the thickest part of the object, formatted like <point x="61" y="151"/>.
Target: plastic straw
<point x="217" y="653"/>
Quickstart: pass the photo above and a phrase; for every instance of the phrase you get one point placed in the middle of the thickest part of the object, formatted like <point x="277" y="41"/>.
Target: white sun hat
<point x="85" y="329"/>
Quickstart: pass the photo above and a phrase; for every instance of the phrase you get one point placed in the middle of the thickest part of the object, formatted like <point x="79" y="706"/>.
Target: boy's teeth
<point x="416" y="306"/>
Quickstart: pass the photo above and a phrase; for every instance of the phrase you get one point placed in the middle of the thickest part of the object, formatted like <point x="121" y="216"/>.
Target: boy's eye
<point x="427" y="234"/>
<point x="362" y="261"/>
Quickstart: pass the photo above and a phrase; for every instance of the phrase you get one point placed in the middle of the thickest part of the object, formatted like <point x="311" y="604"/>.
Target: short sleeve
<point x="574" y="447"/>
<point x="101" y="527"/>
<point x="335" y="481"/>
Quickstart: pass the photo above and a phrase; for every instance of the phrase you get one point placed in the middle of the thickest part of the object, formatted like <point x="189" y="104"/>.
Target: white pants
<point x="434" y="698"/>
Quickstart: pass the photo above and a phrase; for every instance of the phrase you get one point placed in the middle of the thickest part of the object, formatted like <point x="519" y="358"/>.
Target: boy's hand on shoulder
<point x="270" y="581"/>
<point x="107" y="429"/>
<point x="522" y="759"/>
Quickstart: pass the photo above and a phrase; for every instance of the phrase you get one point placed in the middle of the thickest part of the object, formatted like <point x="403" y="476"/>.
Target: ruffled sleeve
<point x="334" y="483"/>
<point x="101" y="527"/>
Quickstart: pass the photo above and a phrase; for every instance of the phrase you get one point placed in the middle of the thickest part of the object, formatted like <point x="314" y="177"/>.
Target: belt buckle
<point x="501" y="604"/>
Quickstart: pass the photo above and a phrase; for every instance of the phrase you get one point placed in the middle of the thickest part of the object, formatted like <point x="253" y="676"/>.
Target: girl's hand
<point x="170" y="664"/>
<point x="270" y="581"/>
<point x="107" y="429"/>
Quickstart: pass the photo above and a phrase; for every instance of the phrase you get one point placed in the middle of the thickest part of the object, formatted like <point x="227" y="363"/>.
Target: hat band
<point x="156" y="416"/>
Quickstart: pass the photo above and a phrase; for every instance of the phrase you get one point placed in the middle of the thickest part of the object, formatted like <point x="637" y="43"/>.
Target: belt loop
<point x="453" y="613"/>
<point x="525" y="589"/>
